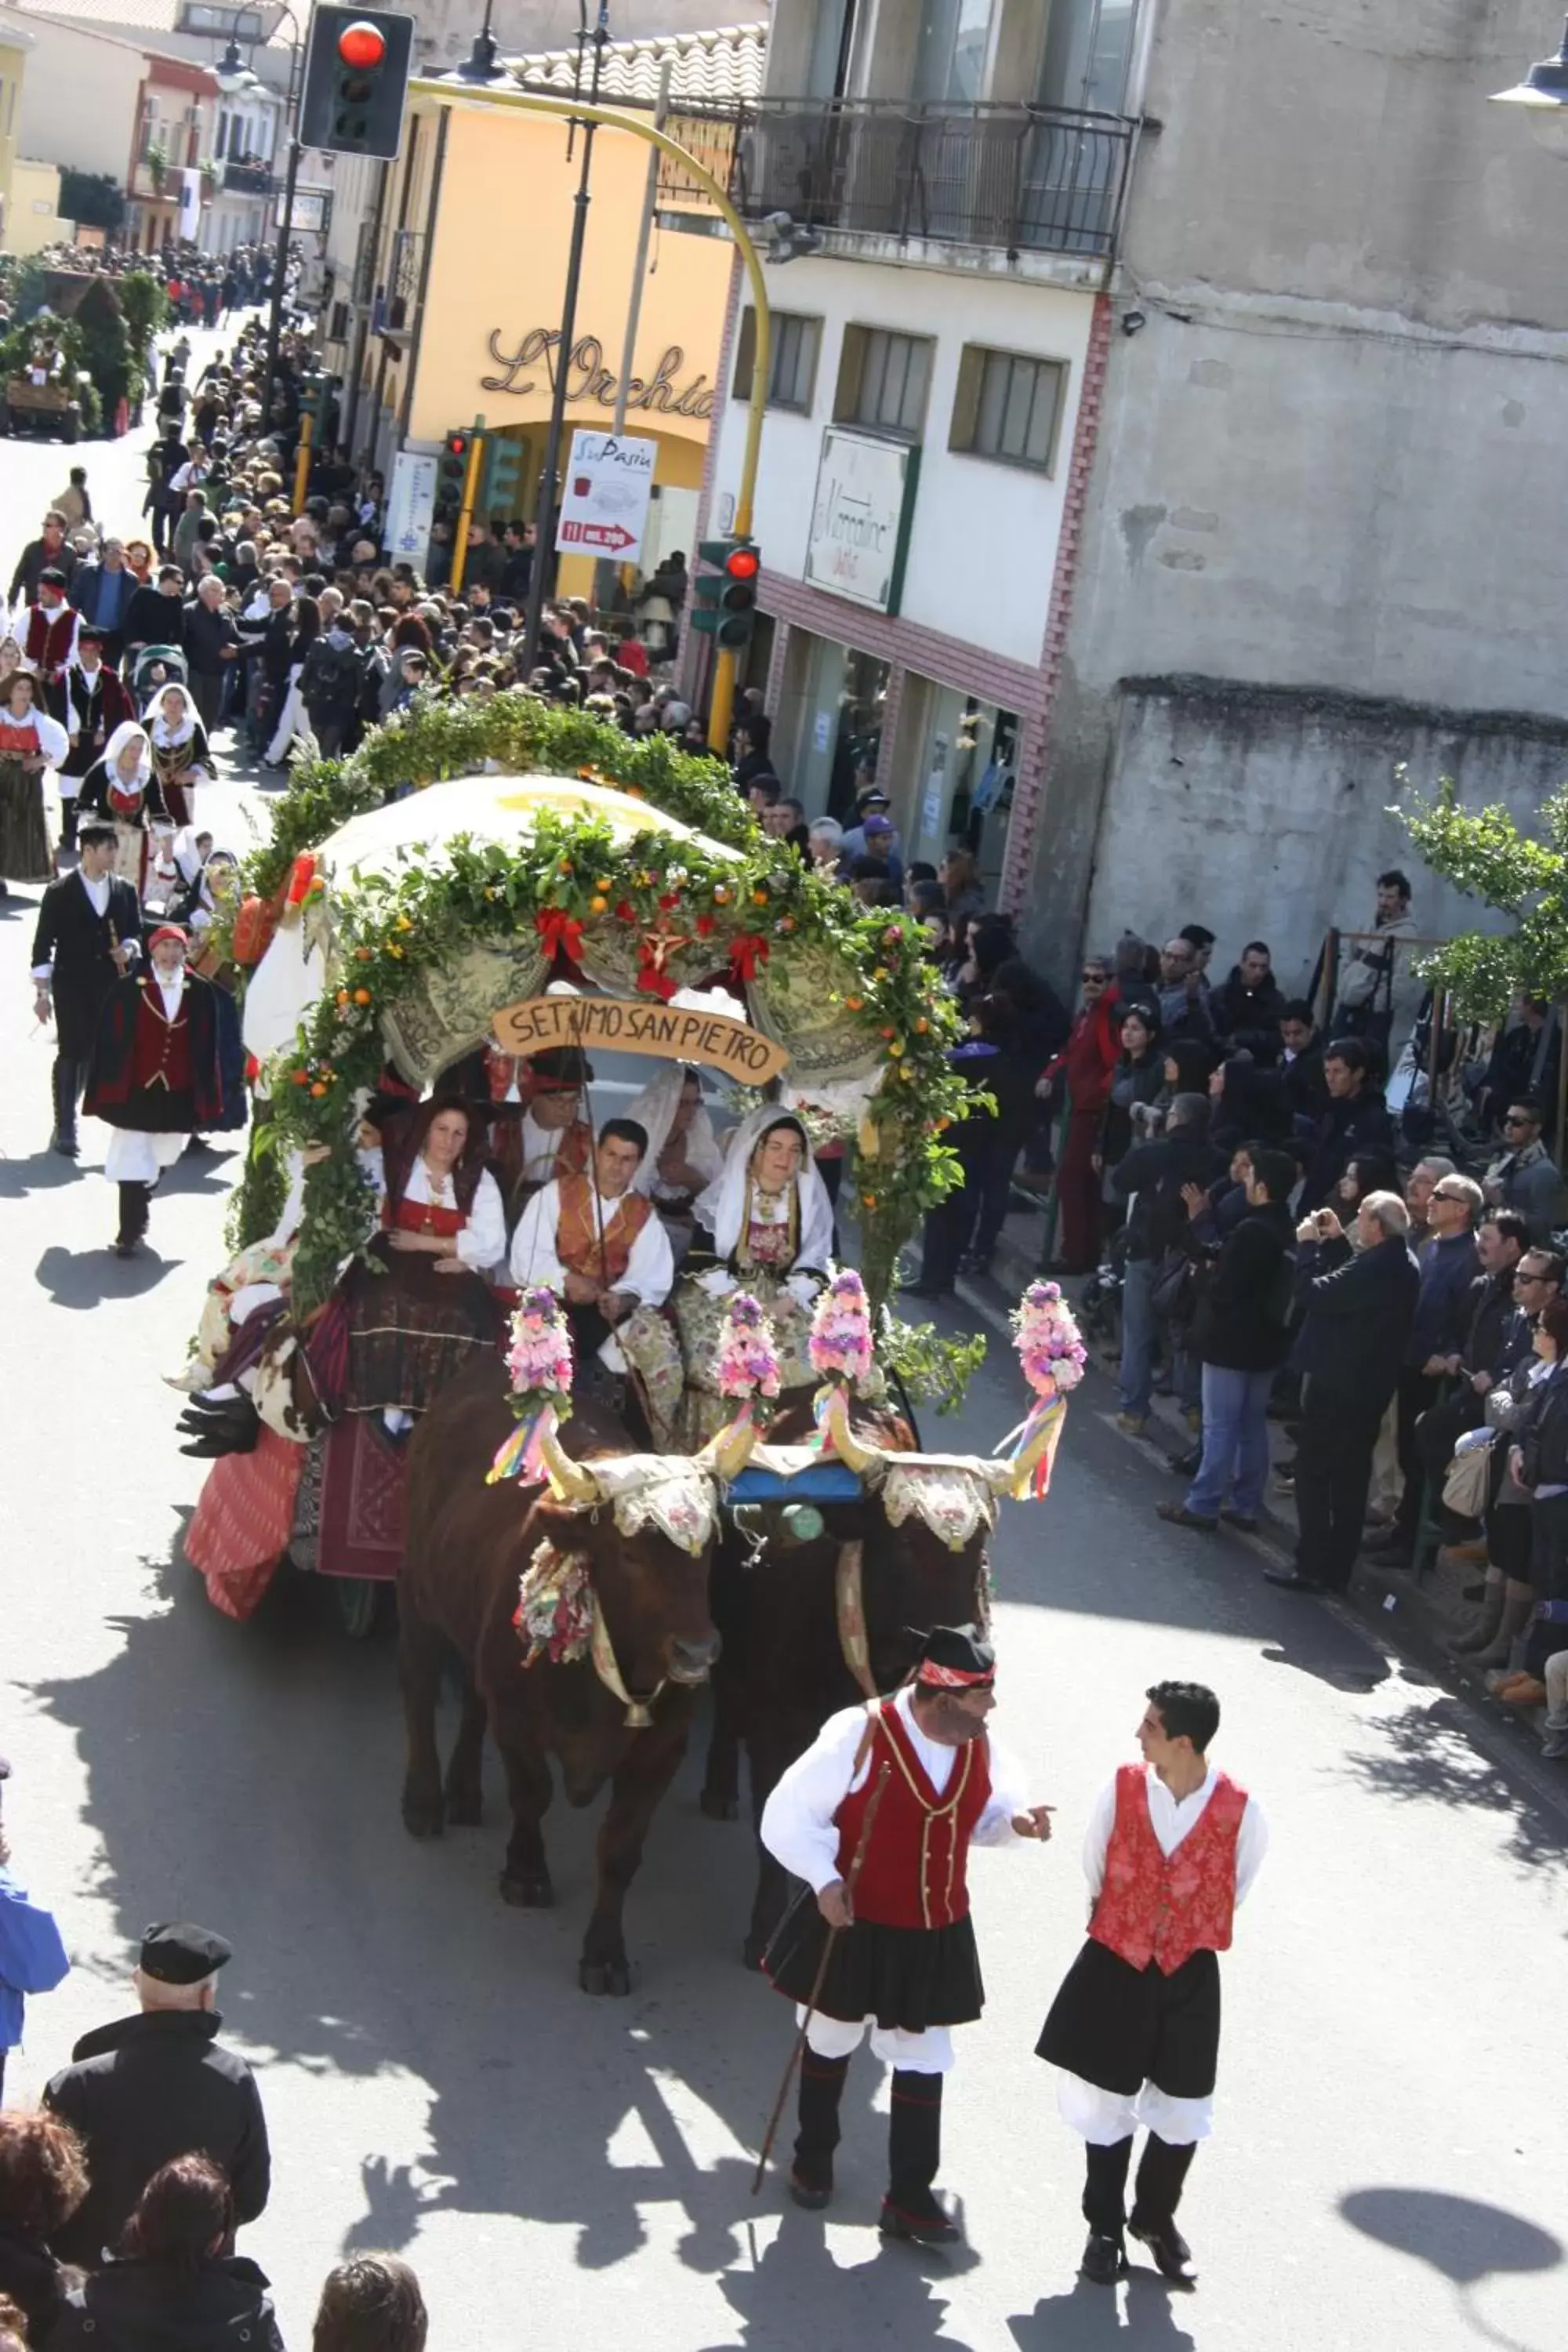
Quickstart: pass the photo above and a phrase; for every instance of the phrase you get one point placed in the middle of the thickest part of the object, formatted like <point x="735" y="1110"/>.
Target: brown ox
<point x="784" y="1670"/>
<point x="468" y="1545"/>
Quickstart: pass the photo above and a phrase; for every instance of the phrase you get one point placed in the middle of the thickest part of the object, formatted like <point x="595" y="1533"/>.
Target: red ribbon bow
<point x="559" y="933"/>
<point x="747" y="950"/>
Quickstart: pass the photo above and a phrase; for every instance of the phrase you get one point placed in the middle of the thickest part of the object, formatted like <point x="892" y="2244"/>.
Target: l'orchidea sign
<point x="622" y="1024"/>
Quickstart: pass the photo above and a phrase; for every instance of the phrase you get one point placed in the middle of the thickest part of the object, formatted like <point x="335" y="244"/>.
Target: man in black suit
<point x="88" y="937"/>
<point x="1350" y="1347"/>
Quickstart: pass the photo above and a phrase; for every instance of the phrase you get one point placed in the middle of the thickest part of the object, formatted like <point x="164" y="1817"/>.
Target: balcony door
<point x="832" y="47"/>
<point x="1072" y="178"/>
<point x="954" y="42"/>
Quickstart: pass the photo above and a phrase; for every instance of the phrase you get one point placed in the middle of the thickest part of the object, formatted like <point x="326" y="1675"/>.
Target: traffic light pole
<point x="285" y="234"/>
<point x="567" y="109"/>
<point x="465" y="511"/>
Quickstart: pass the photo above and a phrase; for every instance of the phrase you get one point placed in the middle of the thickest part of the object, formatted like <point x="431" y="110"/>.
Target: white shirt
<point x="797" y="1824"/>
<point x="1172" y="1819"/>
<point x="482" y="1242"/>
<point x="97" y="889"/>
<point x="171" y="988"/>
<point x="650" y="1268"/>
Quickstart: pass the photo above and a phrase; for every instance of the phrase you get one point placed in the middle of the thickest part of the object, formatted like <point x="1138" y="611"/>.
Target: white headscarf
<point x="655" y="1109"/>
<point x="723" y="1207"/>
<point x="127" y="731"/>
<point x="154" y="719"/>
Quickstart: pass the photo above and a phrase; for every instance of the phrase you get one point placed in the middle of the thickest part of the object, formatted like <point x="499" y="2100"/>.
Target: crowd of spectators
<point x="121" y="2194"/>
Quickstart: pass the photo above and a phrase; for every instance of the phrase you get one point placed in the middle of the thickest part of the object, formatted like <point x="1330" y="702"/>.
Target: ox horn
<point x="729" y="1449"/>
<point x="572" y="1483"/>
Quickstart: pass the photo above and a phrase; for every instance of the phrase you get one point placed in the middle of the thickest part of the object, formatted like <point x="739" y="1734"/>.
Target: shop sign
<point x="625" y="1025"/>
<point x="532" y="367"/>
<point x="860" y="517"/>
<point x="604" y="505"/>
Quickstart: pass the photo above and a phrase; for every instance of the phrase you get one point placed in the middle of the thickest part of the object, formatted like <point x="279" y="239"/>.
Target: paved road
<point x="564" y="2171"/>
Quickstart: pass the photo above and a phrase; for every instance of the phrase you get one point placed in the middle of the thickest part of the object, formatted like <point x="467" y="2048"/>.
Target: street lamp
<point x="231" y="73"/>
<point x="1543" y="94"/>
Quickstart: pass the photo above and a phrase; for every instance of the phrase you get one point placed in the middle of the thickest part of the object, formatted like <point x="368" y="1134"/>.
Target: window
<point x="883" y="379"/>
<point x="1008" y="407"/>
<point x="792" y="367"/>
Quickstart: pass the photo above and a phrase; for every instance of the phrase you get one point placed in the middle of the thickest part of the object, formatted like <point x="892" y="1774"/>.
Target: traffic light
<point x="452" y="472"/>
<point x="726" y="607"/>
<point x="500" y="484"/>
<point x="356" y="78"/>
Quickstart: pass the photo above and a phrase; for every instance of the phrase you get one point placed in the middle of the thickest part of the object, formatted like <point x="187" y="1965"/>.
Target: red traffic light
<point x="458" y="444"/>
<point x="743" y="564"/>
<point x="362" y="45"/>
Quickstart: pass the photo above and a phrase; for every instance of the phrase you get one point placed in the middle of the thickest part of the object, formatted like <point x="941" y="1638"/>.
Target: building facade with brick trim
<point x="939" y="338"/>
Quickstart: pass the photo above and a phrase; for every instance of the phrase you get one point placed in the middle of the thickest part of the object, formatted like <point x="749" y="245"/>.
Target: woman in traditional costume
<point x="683" y="1155"/>
<point x="181" y="756"/>
<point x="123" y="787"/>
<point x="413" y="1327"/>
<point x="199" y="908"/>
<point x="764" y="1224"/>
<point x="30" y="742"/>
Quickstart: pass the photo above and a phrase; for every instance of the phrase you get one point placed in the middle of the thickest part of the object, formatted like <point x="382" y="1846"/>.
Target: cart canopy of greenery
<point x="755" y="919"/>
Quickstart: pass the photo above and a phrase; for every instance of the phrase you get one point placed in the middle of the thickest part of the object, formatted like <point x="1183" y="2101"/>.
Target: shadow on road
<point x="1087" y="2319"/>
<point x="1465" y="2240"/>
<point x="893" y="2298"/>
<point x="89" y="1277"/>
<point x="41" y="1172"/>
<point x="248" y="1776"/>
<point x="1427" y="1755"/>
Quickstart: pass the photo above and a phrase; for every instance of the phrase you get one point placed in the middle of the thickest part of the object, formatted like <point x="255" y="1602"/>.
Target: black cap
<point x="954" y="1657"/>
<point x="176" y="1953"/>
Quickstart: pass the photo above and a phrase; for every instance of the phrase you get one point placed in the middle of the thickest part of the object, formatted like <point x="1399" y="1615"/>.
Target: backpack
<point x="334" y="675"/>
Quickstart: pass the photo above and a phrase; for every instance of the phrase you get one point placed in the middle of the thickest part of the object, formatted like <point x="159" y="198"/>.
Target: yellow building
<point x="14" y="47"/>
<point x="455" y="305"/>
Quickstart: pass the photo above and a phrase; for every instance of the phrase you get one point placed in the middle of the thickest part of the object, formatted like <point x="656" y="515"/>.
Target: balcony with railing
<point x="1022" y="178"/>
<point x="243" y="176"/>
<point x="405" y="267"/>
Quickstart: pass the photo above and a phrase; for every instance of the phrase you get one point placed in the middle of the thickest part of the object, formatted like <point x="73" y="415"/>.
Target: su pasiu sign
<point x="624" y="1025"/>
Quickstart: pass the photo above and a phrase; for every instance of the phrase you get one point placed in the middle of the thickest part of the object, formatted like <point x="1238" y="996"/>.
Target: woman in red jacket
<point x="1087" y="1060"/>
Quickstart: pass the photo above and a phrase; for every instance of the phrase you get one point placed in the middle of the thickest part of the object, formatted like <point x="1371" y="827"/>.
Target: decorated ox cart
<point x="719" y="1483"/>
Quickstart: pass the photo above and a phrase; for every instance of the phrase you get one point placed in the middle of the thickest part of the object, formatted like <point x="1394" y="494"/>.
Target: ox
<point x="467" y="1548"/>
<point x="780" y="1599"/>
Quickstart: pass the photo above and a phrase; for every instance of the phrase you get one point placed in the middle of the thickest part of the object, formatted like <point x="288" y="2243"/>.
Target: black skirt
<point x="1121" y="2027"/>
<point x="906" y="1978"/>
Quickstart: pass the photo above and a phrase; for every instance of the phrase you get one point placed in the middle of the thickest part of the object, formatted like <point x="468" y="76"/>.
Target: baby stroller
<point x="153" y="667"/>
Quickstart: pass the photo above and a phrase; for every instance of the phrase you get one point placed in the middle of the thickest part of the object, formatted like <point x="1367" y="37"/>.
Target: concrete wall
<point x="33" y="208"/>
<point x="984" y="545"/>
<point x="78" y="98"/>
<point x="1264" y="812"/>
<point x="1326" y="460"/>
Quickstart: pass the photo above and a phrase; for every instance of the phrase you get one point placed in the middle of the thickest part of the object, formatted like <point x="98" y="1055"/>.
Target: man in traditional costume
<point x="1172" y="1846"/>
<point x="88" y="934"/>
<point x="900" y="1956"/>
<point x="96" y="705"/>
<point x="154" y="1076"/>
<point x="598" y="1244"/>
<point x="48" y="640"/>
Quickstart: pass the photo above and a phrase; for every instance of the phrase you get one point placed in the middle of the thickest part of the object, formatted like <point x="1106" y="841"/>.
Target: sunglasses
<point x="1511" y="1121"/>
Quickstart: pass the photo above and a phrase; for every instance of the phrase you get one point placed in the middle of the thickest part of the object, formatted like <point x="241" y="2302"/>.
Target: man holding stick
<point x="877" y="1818"/>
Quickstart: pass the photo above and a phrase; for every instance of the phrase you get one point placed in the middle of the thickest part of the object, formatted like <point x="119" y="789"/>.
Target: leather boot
<point x="135" y="1212"/>
<point x="1517" y="1608"/>
<point x="821" y="2089"/>
<point x="1480" y="1628"/>
<point x="1160" y="2176"/>
<point x="63" y="1140"/>
<point x="910" y="2207"/>
<point x="1105" y="2211"/>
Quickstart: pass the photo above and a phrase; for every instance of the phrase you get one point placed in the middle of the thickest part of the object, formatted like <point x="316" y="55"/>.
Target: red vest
<point x="424" y="1217"/>
<point x="161" y="1056"/>
<point x="913" y="1874"/>
<point x="1164" y="1907"/>
<point x="49" y="639"/>
<point x="577" y="1238"/>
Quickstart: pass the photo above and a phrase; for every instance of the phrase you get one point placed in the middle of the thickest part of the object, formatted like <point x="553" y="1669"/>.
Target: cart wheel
<point x="72" y="426"/>
<point x="356" y="1597"/>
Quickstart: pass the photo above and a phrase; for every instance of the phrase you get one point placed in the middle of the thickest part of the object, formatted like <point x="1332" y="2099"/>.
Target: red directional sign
<point x="612" y="536"/>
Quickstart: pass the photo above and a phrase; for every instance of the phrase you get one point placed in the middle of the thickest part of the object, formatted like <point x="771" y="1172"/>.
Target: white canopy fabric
<point x="488" y="808"/>
<point x="293" y="974"/>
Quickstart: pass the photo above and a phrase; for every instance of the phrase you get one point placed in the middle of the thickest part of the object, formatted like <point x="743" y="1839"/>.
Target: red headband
<point x="951" y="1677"/>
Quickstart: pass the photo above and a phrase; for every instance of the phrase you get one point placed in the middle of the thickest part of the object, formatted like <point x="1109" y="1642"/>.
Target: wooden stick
<point x="818" y="1980"/>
